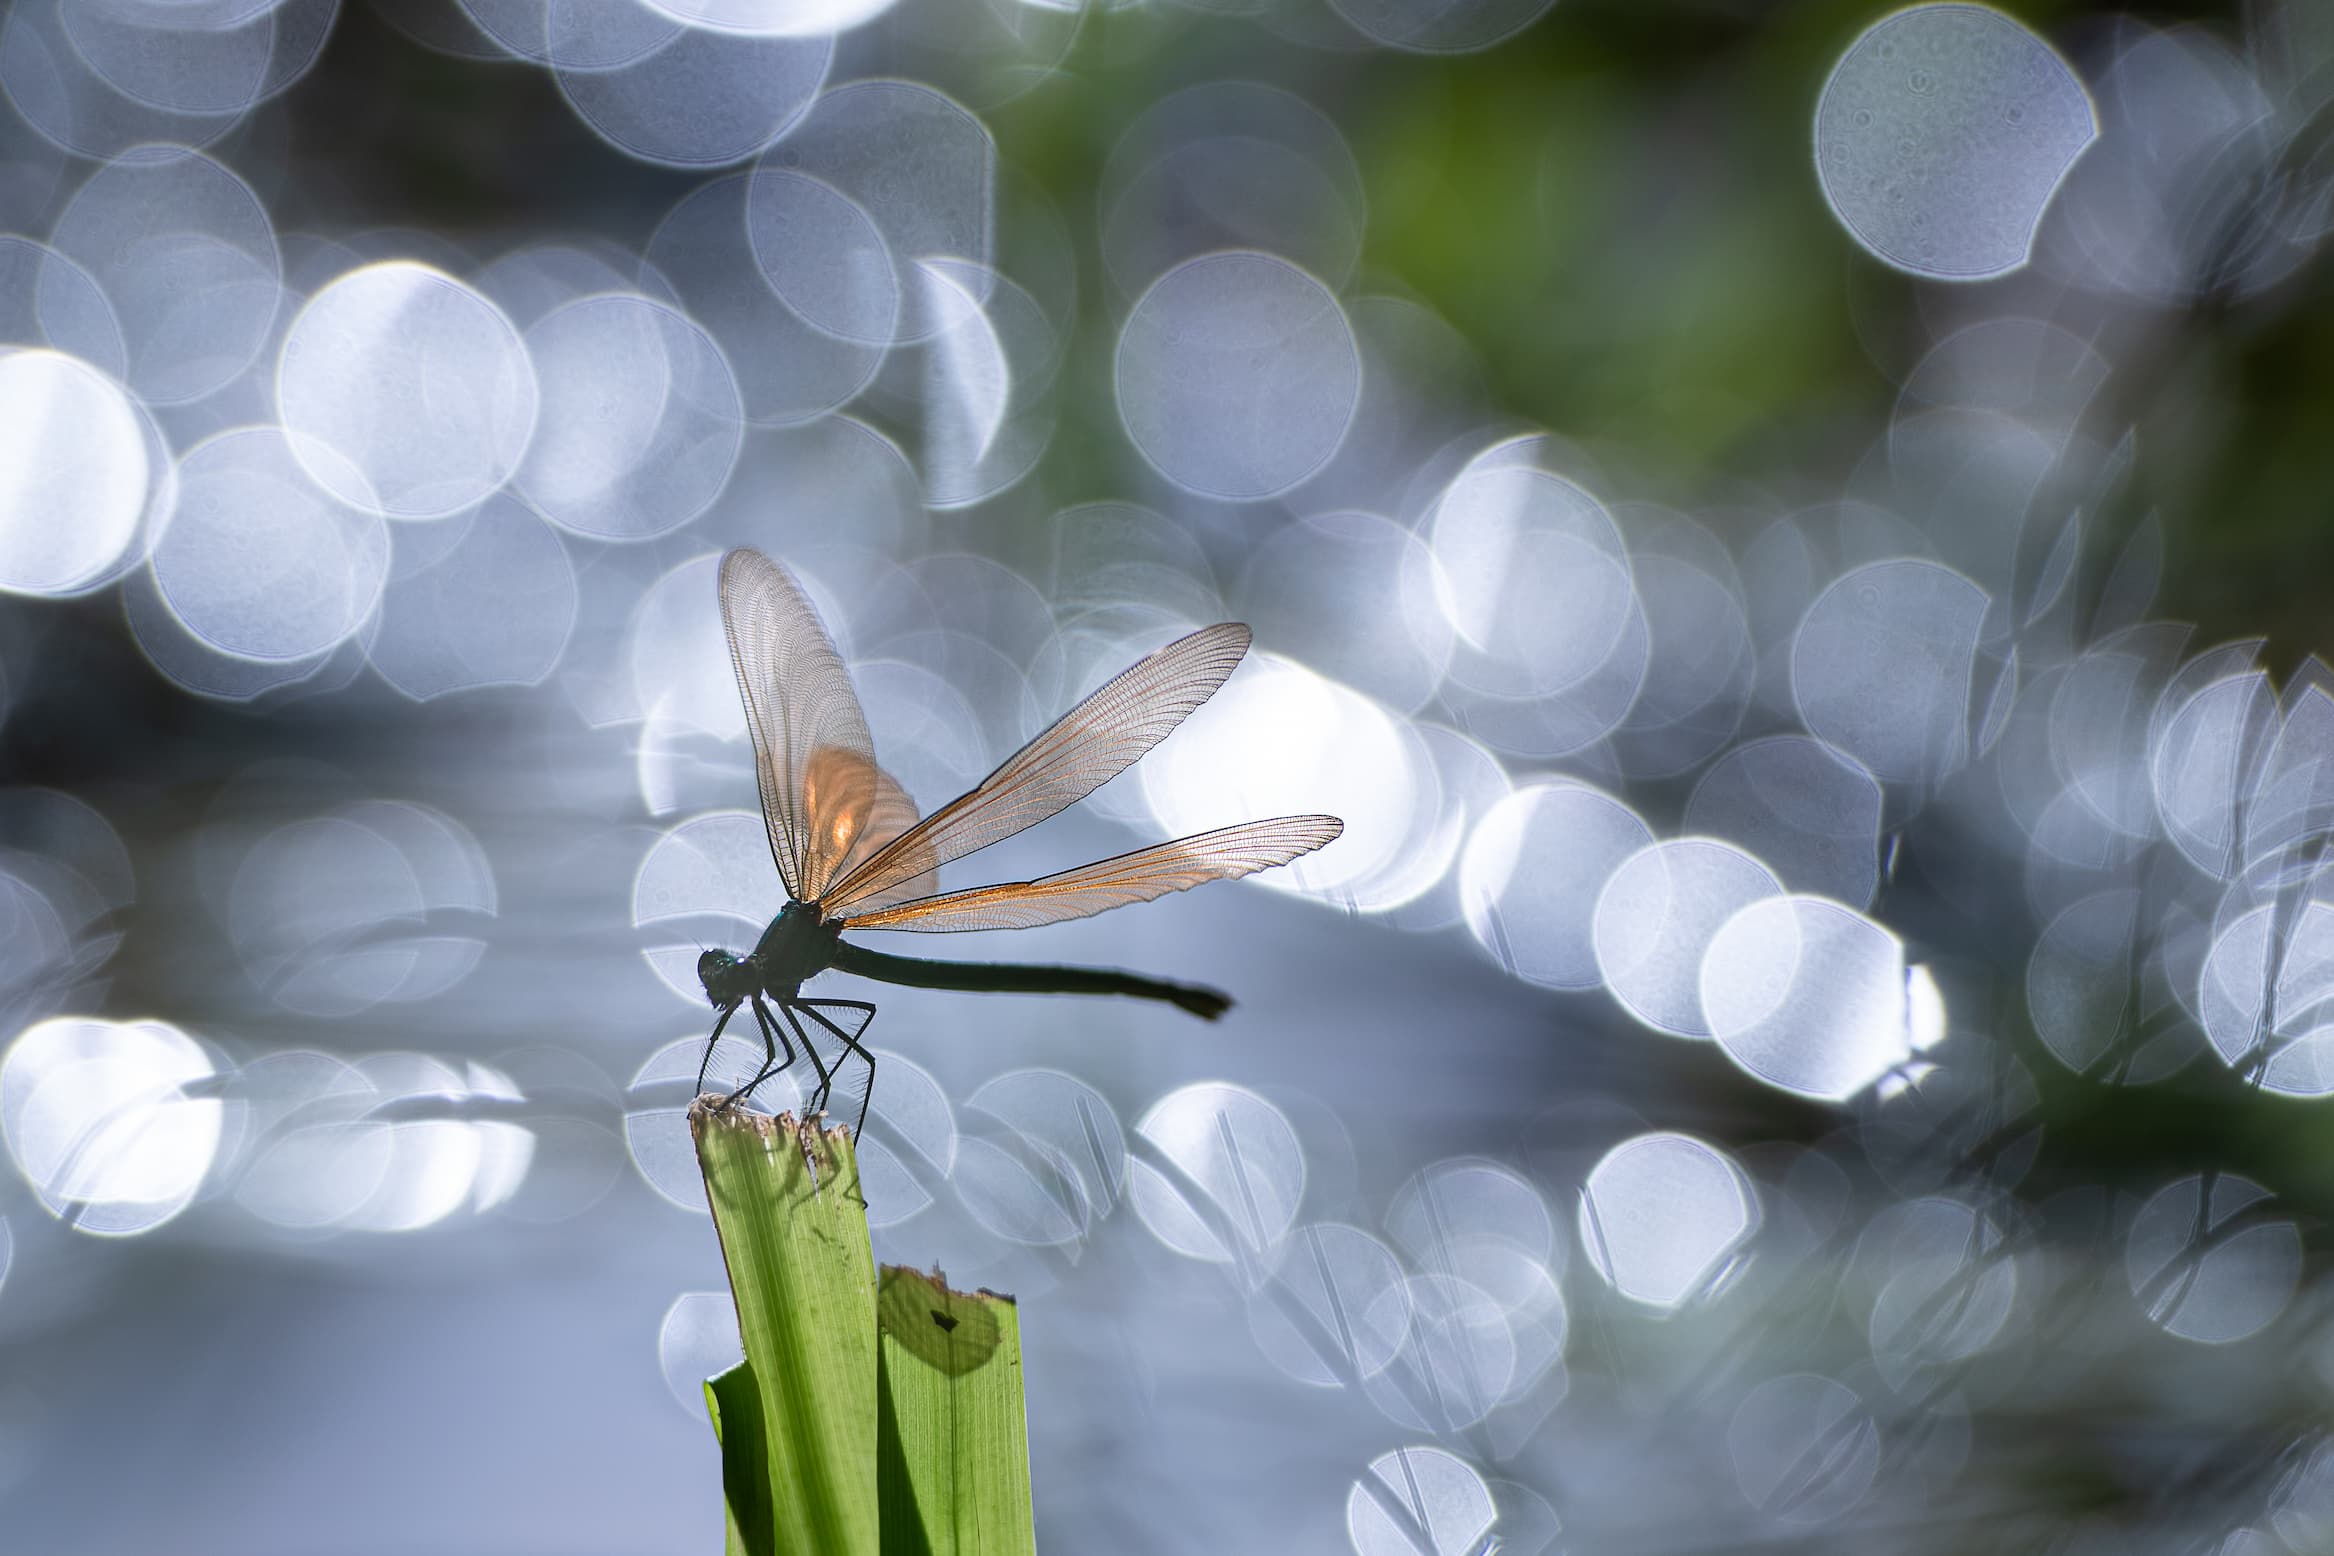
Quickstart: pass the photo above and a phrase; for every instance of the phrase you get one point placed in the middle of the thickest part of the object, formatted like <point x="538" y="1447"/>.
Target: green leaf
<point x="797" y="1422"/>
<point x="954" y="1444"/>
<point x="733" y="1397"/>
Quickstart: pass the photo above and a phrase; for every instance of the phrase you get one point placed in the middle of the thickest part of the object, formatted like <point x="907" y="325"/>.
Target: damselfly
<point x="854" y="855"/>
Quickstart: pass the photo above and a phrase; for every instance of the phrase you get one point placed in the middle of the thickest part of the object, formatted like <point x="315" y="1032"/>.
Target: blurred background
<point x="1795" y="536"/>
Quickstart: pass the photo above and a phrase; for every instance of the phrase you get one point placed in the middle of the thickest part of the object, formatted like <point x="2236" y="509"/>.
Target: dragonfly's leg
<point x="770" y="1024"/>
<point x="772" y="1037"/>
<point x="851" y="1044"/>
<point x="711" y="1043"/>
<point x="818" y="1098"/>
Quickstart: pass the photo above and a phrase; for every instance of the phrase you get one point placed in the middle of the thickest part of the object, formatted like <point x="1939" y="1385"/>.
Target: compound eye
<point x="712" y="964"/>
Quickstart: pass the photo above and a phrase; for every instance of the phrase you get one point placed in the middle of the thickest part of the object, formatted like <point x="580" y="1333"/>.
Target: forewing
<point x="1084" y="749"/>
<point x="813" y="759"/>
<point x="1222" y="855"/>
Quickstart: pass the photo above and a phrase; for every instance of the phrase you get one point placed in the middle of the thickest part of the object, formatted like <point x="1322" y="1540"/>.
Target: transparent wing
<point x="889" y="813"/>
<point x="822" y="794"/>
<point x="1083" y="749"/>
<point x="911" y="872"/>
<point x="1222" y="855"/>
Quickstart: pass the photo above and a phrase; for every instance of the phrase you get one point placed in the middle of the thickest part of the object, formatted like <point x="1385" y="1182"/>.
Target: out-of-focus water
<point x="1810" y="1038"/>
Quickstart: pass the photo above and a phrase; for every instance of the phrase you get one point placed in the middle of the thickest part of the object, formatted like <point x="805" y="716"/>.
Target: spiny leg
<point x="772" y="1039"/>
<point x="818" y="1103"/>
<point x="770" y="1053"/>
<point x="712" y="1043"/>
<point x="851" y="1044"/>
<point x="818" y="1099"/>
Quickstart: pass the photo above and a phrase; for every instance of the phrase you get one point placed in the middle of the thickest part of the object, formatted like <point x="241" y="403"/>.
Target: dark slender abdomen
<point x="1015" y="978"/>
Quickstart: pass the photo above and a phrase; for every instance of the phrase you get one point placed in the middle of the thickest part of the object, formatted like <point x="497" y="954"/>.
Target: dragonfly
<point x="855" y="855"/>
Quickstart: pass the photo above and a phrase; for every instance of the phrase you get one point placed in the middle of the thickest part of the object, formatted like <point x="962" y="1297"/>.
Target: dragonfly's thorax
<point x="797" y="944"/>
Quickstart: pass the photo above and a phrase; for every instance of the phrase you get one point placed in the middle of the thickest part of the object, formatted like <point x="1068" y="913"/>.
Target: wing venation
<point x="1082" y="750"/>
<point x="1222" y="855"/>
<point x="825" y="803"/>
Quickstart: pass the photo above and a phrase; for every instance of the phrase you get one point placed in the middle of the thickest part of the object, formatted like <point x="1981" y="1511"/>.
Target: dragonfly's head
<point x="728" y="979"/>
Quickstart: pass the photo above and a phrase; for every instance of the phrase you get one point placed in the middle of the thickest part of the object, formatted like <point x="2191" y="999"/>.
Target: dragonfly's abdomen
<point x="1017" y="978"/>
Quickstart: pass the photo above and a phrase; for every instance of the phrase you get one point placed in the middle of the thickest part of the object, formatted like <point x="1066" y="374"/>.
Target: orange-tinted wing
<point x="889" y="814"/>
<point x="1084" y="749"/>
<point x="822" y="794"/>
<point x="1225" y="854"/>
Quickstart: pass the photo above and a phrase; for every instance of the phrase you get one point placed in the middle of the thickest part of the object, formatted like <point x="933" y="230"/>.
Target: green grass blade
<point x="954" y="1443"/>
<point x="804" y="1279"/>
<point x="734" y="1401"/>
